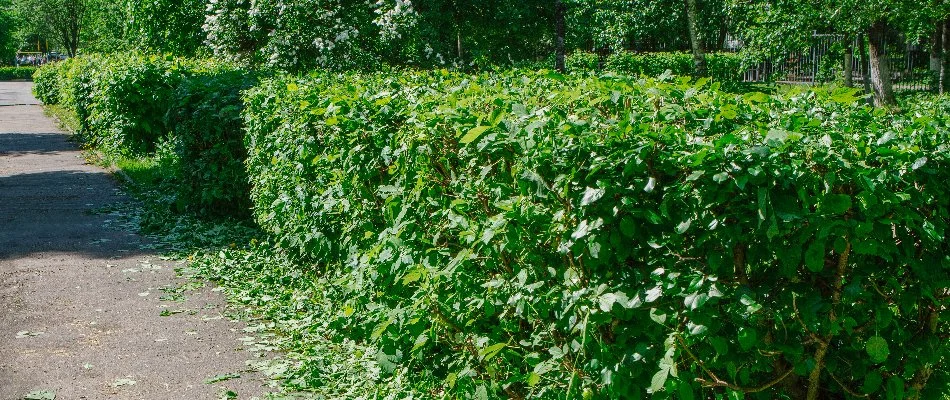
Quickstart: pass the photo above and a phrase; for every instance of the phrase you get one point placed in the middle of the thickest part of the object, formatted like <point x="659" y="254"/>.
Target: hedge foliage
<point x="529" y="235"/>
<point x="206" y="123"/>
<point x="16" y="73"/>
<point x="129" y="105"/>
<point x="722" y="67"/>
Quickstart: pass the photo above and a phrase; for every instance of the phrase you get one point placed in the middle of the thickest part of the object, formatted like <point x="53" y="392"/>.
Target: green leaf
<point x="657" y="317"/>
<point x="847" y="96"/>
<point x="876" y="347"/>
<point x="659" y="379"/>
<point x="720" y="345"/>
<point x="747" y="338"/>
<point x="490" y="352"/>
<point x="533" y="379"/>
<point x="627" y="227"/>
<point x="756" y="97"/>
<point x="473" y="134"/>
<point x="591" y="195"/>
<point x="872" y="382"/>
<point x="836" y="204"/>
<point x="481" y="393"/>
<point x="412" y="276"/>
<point x="815" y="256"/>
<point x="685" y="391"/>
<point x="728" y="112"/>
<point x="895" y="388"/>
<point x="695" y="300"/>
<point x="683" y="226"/>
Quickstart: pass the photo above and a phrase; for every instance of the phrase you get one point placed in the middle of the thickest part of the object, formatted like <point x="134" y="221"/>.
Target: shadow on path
<point x="61" y="211"/>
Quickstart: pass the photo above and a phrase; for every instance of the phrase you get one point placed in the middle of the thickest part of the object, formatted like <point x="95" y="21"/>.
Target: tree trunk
<point x="848" y="61"/>
<point x="699" y="55"/>
<point x="942" y="85"/>
<point x="863" y="53"/>
<point x="559" y="36"/>
<point x="723" y="31"/>
<point x="880" y="70"/>
<point x="936" y="57"/>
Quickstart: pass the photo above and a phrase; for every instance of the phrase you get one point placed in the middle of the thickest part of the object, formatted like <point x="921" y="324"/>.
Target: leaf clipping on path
<point x="41" y="395"/>
<point x="27" y="334"/>
<point x="221" y="378"/>
<point x="122" y="382"/>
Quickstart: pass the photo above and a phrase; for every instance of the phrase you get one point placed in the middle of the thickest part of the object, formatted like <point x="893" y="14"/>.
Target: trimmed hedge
<point x="207" y="124"/>
<point x="16" y="73"/>
<point x="524" y="234"/>
<point x="723" y="67"/>
<point x="127" y="105"/>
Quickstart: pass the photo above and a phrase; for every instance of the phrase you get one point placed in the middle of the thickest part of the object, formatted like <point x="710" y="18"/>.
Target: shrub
<point x="130" y="98"/>
<point x="12" y="73"/>
<point x="208" y="128"/>
<point x="723" y="67"/>
<point x="127" y="105"/>
<point x="533" y="235"/>
<point x="46" y="83"/>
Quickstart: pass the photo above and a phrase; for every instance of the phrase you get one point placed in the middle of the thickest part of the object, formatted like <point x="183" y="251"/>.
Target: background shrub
<point x="723" y="67"/>
<point x="11" y="73"/>
<point x="47" y="84"/>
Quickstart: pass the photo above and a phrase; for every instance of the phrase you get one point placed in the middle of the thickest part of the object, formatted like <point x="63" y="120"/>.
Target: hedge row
<point x="722" y="67"/>
<point x="527" y="234"/>
<point x="530" y="235"/>
<point x="129" y="105"/>
<point x="16" y="73"/>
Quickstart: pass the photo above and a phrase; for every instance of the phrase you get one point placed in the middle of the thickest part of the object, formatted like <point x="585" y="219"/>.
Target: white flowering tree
<point x="296" y="34"/>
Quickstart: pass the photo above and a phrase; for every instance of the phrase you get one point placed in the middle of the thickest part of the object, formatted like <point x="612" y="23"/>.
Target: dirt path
<point x="79" y="300"/>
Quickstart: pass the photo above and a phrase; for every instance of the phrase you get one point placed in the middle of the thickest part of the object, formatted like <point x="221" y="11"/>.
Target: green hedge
<point x="723" y="67"/>
<point x="16" y="73"/>
<point x="127" y="105"/>
<point x="207" y="124"/>
<point x="47" y="84"/>
<point x="524" y="234"/>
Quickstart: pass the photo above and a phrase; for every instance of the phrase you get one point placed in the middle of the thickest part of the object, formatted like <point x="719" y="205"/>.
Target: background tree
<point x="695" y="43"/>
<point x="171" y="26"/>
<point x="8" y="42"/>
<point x="61" y="21"/>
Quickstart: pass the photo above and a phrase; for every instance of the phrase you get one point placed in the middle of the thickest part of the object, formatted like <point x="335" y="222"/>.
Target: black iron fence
<point x="824" y="61"/>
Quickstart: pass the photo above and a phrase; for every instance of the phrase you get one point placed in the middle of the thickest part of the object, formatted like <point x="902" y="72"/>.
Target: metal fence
<point x="824" y="62"/>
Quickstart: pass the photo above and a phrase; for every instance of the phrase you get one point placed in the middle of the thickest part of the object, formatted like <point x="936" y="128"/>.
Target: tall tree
<point x="695" y="42"/>
<point x="63" y="21"/>
<point x="7" y="33"/>
<point x="936" y="55"/>
<point x="171" y="26"/>
<point x="559" y="16"/>
<point x="881" y="82"/>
